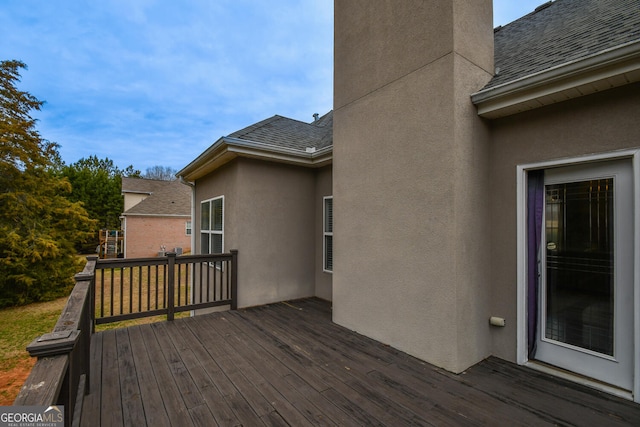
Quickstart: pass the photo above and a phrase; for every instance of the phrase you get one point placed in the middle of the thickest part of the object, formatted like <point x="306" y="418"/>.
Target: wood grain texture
<point x="288" y="364"/>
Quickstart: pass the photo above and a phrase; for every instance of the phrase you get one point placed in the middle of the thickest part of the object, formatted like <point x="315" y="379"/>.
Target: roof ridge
<point x="539" y="8"/>
<point x="323" y="120"/>
<point x="297" y="120"/>
<point x="146" y="179"/>
<point x="251" y="128"/>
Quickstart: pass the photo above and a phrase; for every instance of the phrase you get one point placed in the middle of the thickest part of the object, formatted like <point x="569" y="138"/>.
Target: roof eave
<point x="228" y="148"/>
<point x="124" y="191"/>
<point x="610" y="68"/>
<point x="155" y="215"/>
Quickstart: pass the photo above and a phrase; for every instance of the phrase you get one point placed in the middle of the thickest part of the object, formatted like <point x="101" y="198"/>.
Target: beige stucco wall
<point x="597" y="123"/>
<point x="377" y="43"/>
<point x="270" y="218"/>
<point x="145" y="235"/>
<point x="410" y="168"/>
<point x="132" y="199"/>
<point x="323" y="279"/>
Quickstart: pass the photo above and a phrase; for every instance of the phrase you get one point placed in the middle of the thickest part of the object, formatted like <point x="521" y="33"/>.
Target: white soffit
<point x="611" y="68"/>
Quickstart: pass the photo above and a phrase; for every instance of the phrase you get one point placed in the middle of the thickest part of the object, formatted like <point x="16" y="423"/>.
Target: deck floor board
<point x="288" y="364"/>
<point x="154" y="409"/>
<point x="172" y="400"/>
<point x="132" y="408"/>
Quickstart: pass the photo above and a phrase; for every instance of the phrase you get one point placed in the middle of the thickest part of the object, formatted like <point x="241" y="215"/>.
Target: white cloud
<point x="155" y="82"/>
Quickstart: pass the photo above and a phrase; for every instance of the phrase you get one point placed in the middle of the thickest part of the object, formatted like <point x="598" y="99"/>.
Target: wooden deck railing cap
<point x="53" y="343"/>
<point x="79" y="277"/>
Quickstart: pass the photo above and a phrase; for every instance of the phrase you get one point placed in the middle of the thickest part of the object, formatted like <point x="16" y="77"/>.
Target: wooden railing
<point x="114" y="290"/>
<point x="133" y="288"/>
<point x="61" y="373"/>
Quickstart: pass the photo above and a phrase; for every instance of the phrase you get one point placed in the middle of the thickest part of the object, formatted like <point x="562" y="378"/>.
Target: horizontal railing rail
<point x="119" y="289"/>
<point x="60" y="376"/>
<point x="128" y="289"/>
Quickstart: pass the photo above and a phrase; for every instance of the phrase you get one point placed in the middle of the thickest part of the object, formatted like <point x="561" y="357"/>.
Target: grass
<point x="21" y="325"/>
<point x="18" y="327"/>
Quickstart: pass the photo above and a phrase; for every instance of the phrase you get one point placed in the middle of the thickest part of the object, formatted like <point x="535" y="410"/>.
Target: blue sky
<point x="156" y="82"/>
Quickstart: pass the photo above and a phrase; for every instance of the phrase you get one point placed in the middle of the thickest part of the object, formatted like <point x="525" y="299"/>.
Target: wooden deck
<point x="287" y="364"/>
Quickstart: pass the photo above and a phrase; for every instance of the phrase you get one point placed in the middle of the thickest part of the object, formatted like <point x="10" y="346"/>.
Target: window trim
<point x="211" y="231"/>
<point x="326" y="234"/>
<point x="188" y="228"/>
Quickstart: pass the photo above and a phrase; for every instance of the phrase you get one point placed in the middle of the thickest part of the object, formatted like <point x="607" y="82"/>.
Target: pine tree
<point x="38" y="224"/>
<point x="97" y="184"/>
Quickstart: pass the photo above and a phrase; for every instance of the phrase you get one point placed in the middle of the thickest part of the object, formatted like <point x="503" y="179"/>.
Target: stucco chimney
<point x="410" y="175"/>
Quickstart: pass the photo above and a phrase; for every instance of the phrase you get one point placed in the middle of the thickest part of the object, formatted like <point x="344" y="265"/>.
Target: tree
<point x="38" y="224"/>
<point x="97" y="184"/>
<point x="164" y="173"/>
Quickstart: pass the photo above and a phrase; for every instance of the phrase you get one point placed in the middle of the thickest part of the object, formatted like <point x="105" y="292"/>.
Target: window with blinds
<point x="328" y="233"/>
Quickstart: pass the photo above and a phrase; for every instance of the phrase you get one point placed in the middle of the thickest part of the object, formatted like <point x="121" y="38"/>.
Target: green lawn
<point x="18" y="327"/>
<point x="21" y="325"/>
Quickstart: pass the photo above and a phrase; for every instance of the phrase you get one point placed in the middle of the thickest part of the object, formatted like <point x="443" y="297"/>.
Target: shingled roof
<point x="277" y="138"/>
<point x="142" y="185"/>
<point x="284" y="132"/>
<point x="166" y="198"/>
<point x="560" y="32"/>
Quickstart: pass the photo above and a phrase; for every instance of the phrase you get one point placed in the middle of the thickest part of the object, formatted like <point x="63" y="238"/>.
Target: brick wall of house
<point x="146" y="234"/>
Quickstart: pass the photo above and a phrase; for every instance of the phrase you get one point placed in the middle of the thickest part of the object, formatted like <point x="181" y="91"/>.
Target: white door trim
<point x="521" y="198"/>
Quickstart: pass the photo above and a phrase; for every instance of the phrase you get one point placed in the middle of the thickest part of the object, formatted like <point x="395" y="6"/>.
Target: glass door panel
<point x="580" y="256"/>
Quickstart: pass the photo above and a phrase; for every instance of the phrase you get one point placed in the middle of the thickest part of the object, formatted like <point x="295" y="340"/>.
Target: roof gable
<point x="166" y="198"/>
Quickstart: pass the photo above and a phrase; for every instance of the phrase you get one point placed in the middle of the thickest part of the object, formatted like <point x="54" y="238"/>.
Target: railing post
<point x="58" y="345"/>
<point x="61" y="374"/>
<point x="171" y="258"/>
<point x="234" y="279"/>
<point x="90" y="268"/>
<point x="86" y="325"/>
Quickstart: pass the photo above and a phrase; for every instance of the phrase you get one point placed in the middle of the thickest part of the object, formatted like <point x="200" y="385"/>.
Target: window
<point x="212" y="226"/>
<point x="328" y="234"/>
<point x="187" y="228"/>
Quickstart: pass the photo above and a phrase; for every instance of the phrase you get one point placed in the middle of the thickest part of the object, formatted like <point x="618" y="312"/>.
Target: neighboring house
<point x="477" y="175"/>
<point x="156" y="217"/>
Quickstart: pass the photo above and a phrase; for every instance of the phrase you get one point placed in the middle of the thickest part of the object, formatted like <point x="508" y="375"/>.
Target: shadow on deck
<point x="287" y="364"/>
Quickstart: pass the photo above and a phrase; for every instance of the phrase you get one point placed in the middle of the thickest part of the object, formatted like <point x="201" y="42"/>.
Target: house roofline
<point x="155" y="215"/>
<point x="227" y="148"/>
<point x="609" y="68"/>
<point x="135" y="192"/>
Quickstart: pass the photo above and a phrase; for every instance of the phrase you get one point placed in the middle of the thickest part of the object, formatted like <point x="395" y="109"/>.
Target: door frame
<point x="521" y="182"/>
